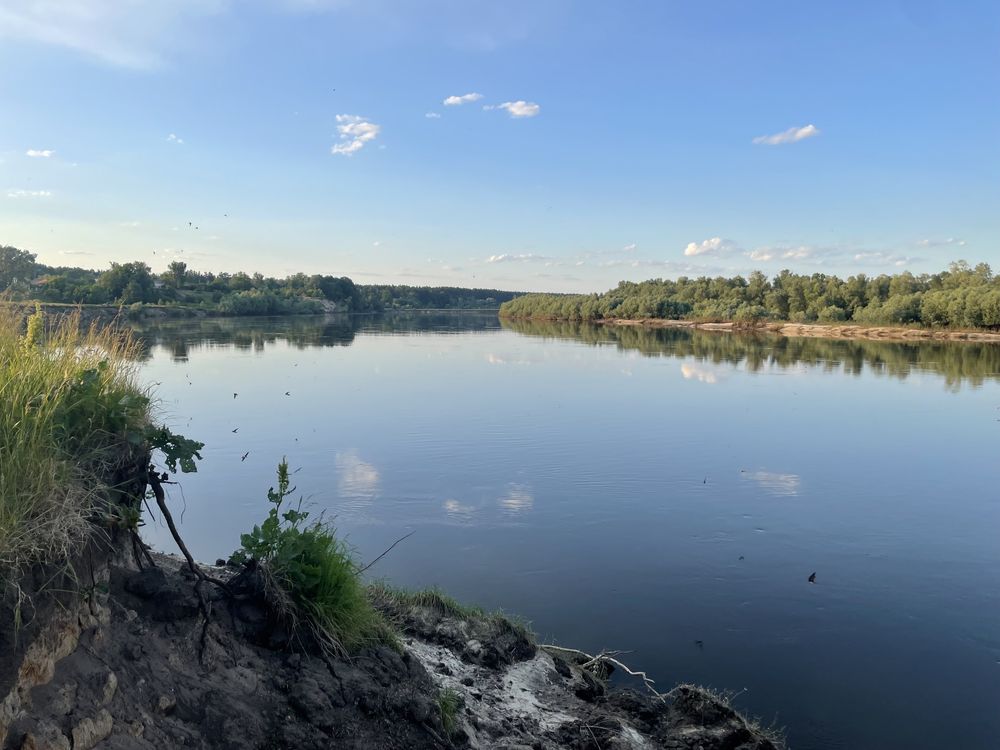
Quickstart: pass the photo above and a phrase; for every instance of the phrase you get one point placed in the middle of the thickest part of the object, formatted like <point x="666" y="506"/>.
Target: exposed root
<point x="608" y="657"/>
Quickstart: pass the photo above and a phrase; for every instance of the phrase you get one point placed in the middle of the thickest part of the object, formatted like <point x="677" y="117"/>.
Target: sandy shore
<point x="819" y="331"/>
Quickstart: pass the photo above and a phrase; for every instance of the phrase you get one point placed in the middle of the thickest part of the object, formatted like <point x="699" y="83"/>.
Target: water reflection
<point x="256" y="334"/>
<point x="969" y="363"/>
<point x="775" y="484"/>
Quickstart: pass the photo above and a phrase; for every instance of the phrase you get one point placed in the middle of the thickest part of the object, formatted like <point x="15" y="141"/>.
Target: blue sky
<point x="592" y="141"/>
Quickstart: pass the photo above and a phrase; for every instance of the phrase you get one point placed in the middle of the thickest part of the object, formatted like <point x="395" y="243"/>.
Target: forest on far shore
<point x="963" y="296"/>
<point x="23" y="278"/>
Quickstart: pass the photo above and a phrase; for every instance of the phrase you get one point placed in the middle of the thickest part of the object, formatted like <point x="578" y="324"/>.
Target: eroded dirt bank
<point x="815" y="330"/>
<point x="133" y="667"/>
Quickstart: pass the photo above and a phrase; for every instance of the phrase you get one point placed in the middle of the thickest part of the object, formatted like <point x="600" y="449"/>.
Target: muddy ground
<point x="141" y="671"/>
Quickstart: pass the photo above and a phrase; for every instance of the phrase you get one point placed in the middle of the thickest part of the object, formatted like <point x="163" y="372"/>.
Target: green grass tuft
<point x="449" y="701"/>
<point x="396" y="601"/>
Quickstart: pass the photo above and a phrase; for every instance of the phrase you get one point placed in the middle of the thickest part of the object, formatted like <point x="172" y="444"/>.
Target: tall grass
<point x="70" y="412"/>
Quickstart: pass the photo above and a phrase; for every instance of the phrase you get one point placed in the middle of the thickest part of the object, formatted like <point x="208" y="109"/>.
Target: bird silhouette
<point x="235" y="395"/>
<point x="700" y="645"/>
<point x="812" y="578"/>
<point x="742" y="558"/>
<point x="236" y="430"/>
<point x="244" y="457"/>
<point x="288" y="393"/>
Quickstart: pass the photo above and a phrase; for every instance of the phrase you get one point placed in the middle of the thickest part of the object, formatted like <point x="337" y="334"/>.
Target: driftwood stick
<point x="405" y="536"/>
<point x="609" y="657"/>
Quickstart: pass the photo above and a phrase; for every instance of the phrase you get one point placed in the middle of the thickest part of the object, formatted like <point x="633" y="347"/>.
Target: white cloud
<point x="28" y="194"/>
<point x="760" y="255"/>
<point x="432" y="116"/>
<point x="512" y="257"/>
<point x="355" y="132"/>
<point x="942" y="243"/>
<point x="172" y="138"/>
<point x="520" y="108"/>
<point x="882" y="259"/>
<point x="798" y="253"/>
<point x="711" y="246"/>
<point x="629" y="247"/>
<point x="792" y="135"/>
<point x="74" y="252"/>
<point x="36" y="153"/>
<point x="454" y="101"/>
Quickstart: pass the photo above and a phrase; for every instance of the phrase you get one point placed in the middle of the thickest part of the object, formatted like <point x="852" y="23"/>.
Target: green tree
<point x="17" y="267"/>
<point x="177" y="269"/>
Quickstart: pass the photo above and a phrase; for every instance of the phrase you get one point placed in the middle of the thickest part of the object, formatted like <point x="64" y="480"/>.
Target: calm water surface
<point x="641" y="490"/>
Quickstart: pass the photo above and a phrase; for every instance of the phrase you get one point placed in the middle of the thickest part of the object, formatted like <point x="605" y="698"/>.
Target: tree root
<point x="156" y="484"/>
<point x="609" y="658"/>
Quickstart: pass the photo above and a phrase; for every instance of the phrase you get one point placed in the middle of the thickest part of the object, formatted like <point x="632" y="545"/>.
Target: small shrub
<point x="311" y="575"/>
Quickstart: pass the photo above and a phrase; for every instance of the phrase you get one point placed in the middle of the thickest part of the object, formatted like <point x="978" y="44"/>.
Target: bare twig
<point x="406" y="536"/>
<point x="609" y="657"/>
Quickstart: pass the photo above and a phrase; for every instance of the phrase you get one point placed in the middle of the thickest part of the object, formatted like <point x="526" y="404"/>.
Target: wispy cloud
<point x="711" y="246"/>
<point x="518" y="109"/>
<point x="630" y="247"/>
<point x="129" y="34"/>
<point x="432" y="116"/>
<point x="354" y="132"/>
<point x="75" y="252"/>
<point x="882" y="259"/>
<point x="515" y="257"/>
<point x="39" y="153"/>
<point x="454" y="101"/>
<point x="760" y="255"/>
<point x="792" y="135"/>
<point x="172" y="138"/>
<point x="942" y="243"/>
<point x="28" y="194"/>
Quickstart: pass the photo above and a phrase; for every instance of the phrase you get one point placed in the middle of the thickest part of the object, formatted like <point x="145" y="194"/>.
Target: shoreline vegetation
<point x="961" y="303"/>
<point x="110" y="645"/>
<point x="181" y="290"/>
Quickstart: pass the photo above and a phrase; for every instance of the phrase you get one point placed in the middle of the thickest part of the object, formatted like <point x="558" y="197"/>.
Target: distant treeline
<point x="22" y="278"/>
<point x="963" y="296"/>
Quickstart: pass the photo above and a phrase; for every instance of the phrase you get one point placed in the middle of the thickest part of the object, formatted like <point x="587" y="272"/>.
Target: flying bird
<point x="288" y="393"/>
<point x="812" y="578"/>
<point x="236" y="430"/>
<point x="244" y="457"/>
<point x="235" y="395"/>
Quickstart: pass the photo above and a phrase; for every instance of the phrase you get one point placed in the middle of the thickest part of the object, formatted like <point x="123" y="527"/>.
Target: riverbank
<point x="134" y="665"/>
<point x="815" y="330"/>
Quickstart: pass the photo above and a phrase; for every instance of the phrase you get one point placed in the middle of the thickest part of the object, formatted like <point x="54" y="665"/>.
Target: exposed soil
<point x="830" y="331"/>
<point x="133" y="667"/>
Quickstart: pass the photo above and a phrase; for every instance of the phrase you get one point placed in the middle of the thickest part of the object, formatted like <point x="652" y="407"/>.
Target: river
<point x="667" y="493"/>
